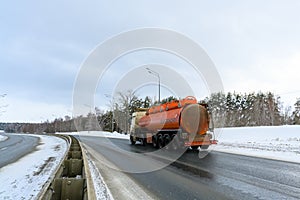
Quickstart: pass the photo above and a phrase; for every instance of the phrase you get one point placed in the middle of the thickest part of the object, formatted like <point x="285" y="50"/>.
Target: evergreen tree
<point x="296" y="113"/>
<point x="147" y="102"/>
<point x="234" y="109"/>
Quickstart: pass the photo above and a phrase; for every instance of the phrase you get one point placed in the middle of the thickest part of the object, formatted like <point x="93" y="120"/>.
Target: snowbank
<point x="274" y="142"/>
<point x="101" y="189"/>
<point x="101" y="134"/>
<point x="3" y="138"/>
<point x="25" y="178"/>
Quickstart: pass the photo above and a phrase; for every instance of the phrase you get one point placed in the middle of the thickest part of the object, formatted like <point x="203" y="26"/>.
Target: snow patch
<point x="101" y="189"/>
<point x="102" y="134"/>
<point x="3" y="138"/>
<point x="274" y="142"/>
<point x="25" y="178"/>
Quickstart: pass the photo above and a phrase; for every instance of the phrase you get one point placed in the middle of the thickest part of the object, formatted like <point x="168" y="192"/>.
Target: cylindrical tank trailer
<point x="184" y="121"/>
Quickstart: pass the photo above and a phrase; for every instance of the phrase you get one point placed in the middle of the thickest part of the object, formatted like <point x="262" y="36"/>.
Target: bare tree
<point x="287" y="115"/>
<point x="126" y="103"/>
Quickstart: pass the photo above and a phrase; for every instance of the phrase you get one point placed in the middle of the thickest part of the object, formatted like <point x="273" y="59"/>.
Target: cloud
<point x="254" y="44"/>
<point x="20" y="110"/>
<point x="276" y="74"/>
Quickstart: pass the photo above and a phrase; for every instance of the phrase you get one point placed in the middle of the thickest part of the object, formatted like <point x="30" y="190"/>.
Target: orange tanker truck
<point x="179" y="123"/>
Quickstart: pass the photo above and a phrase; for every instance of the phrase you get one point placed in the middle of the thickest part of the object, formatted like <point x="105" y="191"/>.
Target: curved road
<point x="15" y="147"/>
<point x="217" y="176"/>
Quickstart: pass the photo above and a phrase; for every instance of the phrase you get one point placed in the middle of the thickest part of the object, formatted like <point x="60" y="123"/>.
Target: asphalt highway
<point x="216" y="176"/>
<point x="15" y="147"/>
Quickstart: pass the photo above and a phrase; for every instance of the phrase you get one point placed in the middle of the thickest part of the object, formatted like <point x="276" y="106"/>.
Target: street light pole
<point x="150" y="71"/>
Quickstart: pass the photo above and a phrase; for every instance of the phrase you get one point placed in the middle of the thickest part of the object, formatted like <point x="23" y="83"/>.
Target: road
<point x="217" y="176"/>
<point x="15" y="147"/>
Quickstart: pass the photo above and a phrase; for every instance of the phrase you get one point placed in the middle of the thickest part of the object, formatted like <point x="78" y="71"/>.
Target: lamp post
<point x="150" y="71"/>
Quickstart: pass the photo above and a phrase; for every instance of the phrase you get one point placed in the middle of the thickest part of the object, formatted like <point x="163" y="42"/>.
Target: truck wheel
<point x="143" y="141"/>
<point x="132" y="140"/>
<point x="175" y="142"/>
<point x="154" y="142"/>
<point x="160" y="142"/>
<point x="167" y="141"/>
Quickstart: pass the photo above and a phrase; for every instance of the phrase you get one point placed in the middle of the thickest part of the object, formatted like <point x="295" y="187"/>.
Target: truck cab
<point x="134" y="126"/>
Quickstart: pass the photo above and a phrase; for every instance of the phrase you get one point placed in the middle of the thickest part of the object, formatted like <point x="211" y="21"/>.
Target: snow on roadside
<point x="3" y="138"/>
<point x="274" y="142"/>
<point x="25" y="178"/>
<point x="100" y="187"/>
<point x="101" y="134"/>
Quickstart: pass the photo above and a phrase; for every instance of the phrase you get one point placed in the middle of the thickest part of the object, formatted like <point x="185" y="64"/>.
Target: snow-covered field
<point x="25" y="178"/>
<point x="101" y="134"/>
<point x="275" y="142"/>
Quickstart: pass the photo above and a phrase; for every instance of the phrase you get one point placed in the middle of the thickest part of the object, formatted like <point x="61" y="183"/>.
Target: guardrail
<point x="69" y="181"/>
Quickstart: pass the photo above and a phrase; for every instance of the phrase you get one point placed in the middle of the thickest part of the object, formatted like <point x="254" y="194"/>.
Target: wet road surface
<point x="15" y="147"/>
<point x="216" y="176"/>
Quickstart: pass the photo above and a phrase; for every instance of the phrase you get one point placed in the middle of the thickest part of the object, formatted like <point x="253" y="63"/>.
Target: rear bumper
<point x="199" y="143"/>
<point x="214" y="141"/>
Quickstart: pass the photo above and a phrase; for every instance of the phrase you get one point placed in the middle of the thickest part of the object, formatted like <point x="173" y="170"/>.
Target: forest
<point x="227" y="110"/>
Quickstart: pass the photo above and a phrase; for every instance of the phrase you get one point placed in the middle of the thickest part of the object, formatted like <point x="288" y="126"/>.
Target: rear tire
<point x="167" y="140"/>
<point x="154" y="142"/>
<point x="160" y="142"/>
<point x="143" y="141"/>
<point x="175" y="142"/>
<point x="132" y="142"/>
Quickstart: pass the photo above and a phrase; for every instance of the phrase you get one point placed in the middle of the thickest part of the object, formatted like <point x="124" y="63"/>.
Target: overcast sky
<point x="254" y="45"/>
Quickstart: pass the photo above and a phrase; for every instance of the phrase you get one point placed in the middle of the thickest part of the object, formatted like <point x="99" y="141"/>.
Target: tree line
<point x="227" y="110"/>
<point x="117" y="118"/>
<point x="253" y="109"/>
